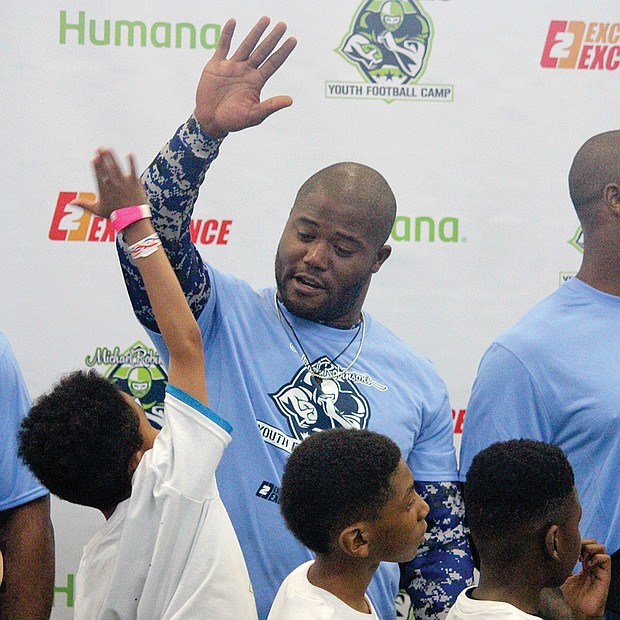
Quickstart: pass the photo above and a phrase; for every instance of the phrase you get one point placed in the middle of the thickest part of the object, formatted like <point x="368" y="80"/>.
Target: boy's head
<point x="349" y="491"/>
<point x="521" y="505"/>
<point x="84" y="439"/>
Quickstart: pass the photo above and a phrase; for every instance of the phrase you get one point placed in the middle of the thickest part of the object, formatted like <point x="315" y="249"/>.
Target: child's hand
<point x="116" y="190"/>
<point x="586" y="592"/>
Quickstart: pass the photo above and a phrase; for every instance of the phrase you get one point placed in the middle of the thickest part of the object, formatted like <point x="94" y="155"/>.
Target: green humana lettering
<point x="128" y="33"/>
<point x="424" y="229"/>
<point x="68" y="590"/>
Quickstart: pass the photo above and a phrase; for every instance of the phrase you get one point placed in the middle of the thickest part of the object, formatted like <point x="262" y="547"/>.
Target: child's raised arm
<point x="174" y="318"/>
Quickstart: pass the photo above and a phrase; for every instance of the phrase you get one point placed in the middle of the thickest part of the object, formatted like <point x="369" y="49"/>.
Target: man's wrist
<point x="198" y="140"/>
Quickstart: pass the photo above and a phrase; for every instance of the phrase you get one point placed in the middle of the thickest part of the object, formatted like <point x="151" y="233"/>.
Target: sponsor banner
<point x="582" y="45"/>
<point x="458" y="418"/>
<point x="78" y="28"/>
<point x="72" y="223"/>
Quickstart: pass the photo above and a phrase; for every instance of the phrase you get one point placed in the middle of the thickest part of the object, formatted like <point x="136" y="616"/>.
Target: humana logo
<point x="136" y="33"/>
<point x="425" y="228"/>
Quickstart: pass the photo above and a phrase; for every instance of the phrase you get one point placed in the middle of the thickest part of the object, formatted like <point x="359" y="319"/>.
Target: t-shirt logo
<point x="310" y="404"/>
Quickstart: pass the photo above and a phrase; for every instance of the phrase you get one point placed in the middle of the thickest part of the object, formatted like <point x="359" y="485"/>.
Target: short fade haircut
<point x="516" y="485"/>
<point x="79" y="440"/>
<point x="333" y="479"/>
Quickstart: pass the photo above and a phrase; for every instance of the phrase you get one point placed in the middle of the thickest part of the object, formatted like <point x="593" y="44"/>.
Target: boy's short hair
<point x="516" y="485"/>
<point x="79" y="440"/>
<point x="333" y="479"/>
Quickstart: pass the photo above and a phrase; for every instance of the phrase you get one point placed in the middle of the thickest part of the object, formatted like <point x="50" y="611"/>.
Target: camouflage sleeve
<point x="443" y="565"/>
<point x="172" y="183"/>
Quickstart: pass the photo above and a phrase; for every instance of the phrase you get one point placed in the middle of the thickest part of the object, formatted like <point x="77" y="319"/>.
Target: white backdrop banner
<point x="473" y="113"/>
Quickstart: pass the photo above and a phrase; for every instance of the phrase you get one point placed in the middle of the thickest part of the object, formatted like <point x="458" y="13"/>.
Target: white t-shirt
<point x="170" y="551"/>
<point x="467" y="608"/>
<point x="298" y="599"/>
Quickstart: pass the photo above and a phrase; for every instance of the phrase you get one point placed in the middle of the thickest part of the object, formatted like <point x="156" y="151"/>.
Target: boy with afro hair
<point x="167" y="548"/>
<point x="347" y="495"/>
<point x="523" y="512"/>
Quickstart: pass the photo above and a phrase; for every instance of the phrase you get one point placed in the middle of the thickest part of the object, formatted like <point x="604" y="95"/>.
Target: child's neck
<point x="509" y="586"/>
<point x="345" y="577"/>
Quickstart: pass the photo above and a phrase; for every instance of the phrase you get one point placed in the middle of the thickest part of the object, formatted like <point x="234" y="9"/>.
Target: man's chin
<point x="305" y="310"/>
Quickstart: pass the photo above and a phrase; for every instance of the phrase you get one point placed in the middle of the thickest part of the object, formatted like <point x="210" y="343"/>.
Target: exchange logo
<point x="389" y="42"/>
<point x="71" y="223"/>
<point x="138" y="371"/>
<point x="582" y="45"/>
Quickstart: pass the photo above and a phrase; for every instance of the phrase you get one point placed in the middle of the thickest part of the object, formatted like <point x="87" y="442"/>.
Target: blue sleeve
<point x="443" y="566"/>
<point x="505" y="403"/>
<point x="17" y="485"/>
<point x="172" y="183"/>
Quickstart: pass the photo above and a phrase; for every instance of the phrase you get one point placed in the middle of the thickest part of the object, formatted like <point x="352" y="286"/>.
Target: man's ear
<point x="611" y="194"/>
<point x="552" y="542"/>
<point x="382" y="255"/>
<point x="353" y="540"/>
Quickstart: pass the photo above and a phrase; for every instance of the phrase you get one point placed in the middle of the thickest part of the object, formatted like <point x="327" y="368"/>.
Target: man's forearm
<point x="172" y="183"/>
<point x="27" y="539"/>
<point x="443" y="565"/>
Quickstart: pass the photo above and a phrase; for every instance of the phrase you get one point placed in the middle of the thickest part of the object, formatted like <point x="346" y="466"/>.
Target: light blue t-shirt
<point x="17" y="485"/>
<point x="555" y="377"/>
<point x="257" y="381"/>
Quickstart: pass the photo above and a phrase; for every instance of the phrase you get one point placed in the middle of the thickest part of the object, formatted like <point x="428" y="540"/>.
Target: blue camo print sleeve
<point x="172" y="182"/>
<point x="443" y="565"/>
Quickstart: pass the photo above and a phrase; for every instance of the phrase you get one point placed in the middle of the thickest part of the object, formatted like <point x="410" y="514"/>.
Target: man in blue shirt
<point x="555" y="375"/>
<point x="26" y="533"/>
<point x="295" y="359"/>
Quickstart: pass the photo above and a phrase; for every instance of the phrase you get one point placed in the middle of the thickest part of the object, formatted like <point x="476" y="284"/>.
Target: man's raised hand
<point x="228" y="94"/>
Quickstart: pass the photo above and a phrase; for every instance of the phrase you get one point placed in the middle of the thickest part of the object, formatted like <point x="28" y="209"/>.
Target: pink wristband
<point x="121" y="218"/>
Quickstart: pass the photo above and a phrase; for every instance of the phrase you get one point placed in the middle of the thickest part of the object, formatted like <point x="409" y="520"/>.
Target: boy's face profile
<point x="400" y="529"/>
<point x="569" y="538"/>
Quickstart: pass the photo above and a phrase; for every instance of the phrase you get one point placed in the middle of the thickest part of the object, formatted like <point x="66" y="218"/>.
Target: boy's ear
<point x="551" y="542"/>
<point x="135" y="460"/>
<point x="353" y="540"/>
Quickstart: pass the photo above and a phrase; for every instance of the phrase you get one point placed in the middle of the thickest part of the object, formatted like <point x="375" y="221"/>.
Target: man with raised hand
<point x="302" y="357"/>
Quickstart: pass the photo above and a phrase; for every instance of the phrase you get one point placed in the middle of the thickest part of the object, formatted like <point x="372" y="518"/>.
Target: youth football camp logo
<point x="310" y="405"/>
<point x="389" y="42"/>
<point x="139" y="372"/>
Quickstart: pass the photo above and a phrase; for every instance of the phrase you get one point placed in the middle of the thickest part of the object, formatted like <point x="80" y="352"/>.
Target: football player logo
<point x="389" y="41"/>
<point x="310" y="404"/>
